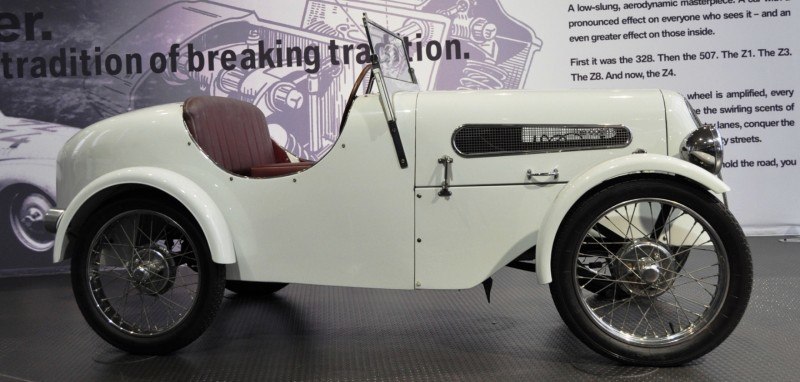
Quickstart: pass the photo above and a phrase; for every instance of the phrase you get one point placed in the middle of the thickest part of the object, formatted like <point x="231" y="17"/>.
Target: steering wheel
<point x="353" y="92"/>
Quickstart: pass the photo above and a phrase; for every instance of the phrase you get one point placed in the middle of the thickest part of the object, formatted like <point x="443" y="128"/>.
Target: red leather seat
<point x="278" y="169"/>
<point x="235" y="135"/>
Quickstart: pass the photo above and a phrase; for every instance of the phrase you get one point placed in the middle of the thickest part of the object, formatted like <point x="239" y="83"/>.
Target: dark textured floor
<point x="309" y="333"/>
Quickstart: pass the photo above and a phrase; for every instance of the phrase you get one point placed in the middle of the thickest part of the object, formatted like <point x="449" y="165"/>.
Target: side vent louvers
<point x="493" y="140"/>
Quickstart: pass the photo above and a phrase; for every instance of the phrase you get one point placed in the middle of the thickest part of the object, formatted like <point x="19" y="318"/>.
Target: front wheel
<point x="651" y="272"/>
<point x="143" y="278"/>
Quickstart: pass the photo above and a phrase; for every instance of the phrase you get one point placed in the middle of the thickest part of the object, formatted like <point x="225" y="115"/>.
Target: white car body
<point x="369" y="227"/>
<point x="609" y="192"/>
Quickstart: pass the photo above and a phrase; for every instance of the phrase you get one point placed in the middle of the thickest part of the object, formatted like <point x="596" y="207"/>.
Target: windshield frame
<point x="395" y="84"/>
<point x="402" y="42"/>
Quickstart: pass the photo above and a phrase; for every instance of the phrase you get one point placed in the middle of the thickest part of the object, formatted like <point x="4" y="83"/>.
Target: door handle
<point x="553" y="173"/>
<point x="446" y="161"/>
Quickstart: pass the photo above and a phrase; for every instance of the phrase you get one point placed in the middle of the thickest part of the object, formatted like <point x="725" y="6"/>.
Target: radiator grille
<point x="490" y="140"/>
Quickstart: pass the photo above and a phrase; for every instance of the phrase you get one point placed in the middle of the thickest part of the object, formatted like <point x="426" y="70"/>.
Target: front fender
<point x="198" y="202"/>
<point x="581" y="184"/>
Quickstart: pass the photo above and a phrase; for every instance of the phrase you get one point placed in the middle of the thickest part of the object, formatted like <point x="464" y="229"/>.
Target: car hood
<point x="440" y="116"/>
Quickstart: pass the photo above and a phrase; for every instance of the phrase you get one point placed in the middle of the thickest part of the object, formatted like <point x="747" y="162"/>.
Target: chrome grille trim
<point x="481" y="140"/>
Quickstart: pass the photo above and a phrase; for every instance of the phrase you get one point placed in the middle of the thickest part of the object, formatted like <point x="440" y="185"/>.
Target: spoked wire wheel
<point x="143" y="277"/>
<point x="651" y="272"/>
<point x="661" y="269"/>
<point x="140" y="272"/>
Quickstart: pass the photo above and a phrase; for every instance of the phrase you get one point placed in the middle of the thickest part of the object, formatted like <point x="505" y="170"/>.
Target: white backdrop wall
<point x="65" y="65"/>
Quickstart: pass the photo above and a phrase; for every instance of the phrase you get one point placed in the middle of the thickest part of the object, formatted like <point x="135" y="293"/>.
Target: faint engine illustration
<point x="304" y="109"/>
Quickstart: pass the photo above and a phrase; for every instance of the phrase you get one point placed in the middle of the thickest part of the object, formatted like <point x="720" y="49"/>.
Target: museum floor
<point x="310" y="333"/>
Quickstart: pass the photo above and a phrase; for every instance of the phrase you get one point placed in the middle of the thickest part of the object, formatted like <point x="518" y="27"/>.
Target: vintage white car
<point x="612" y="197"/>
<point x="28" y="150"/>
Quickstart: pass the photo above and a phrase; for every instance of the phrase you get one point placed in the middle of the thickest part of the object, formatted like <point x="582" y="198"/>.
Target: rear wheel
<point x="143" y="277"/>
<point x="651" y="272"/>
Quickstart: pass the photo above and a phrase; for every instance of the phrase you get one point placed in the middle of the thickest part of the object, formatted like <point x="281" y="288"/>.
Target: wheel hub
<point x="27" y="221"/>
<point x="153" y="270"/>
<point x="645" y="267"/>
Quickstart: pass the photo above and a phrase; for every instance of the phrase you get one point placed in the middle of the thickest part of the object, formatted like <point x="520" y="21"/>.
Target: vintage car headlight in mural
<point x="161" y="209"/>
<point x="28" y="152"/>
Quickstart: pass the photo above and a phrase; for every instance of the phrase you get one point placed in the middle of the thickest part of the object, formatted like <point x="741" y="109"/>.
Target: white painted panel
<point x="465" y="238"/>
<point x="347" y="221"/>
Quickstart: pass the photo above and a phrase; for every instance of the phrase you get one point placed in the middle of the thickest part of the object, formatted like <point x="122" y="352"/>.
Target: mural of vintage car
<point x="28" y="151"/>
<point x="304" y="109"/>
<point x="611" y="197"/>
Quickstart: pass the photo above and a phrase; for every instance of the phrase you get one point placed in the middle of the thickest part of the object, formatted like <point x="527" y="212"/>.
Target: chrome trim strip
<point x="541" y="151"/>
<point x="493" y="185"/>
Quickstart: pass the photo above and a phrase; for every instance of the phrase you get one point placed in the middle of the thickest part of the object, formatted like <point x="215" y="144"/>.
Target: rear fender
<point x="583" y="183"/>
<point x="211" y="220"/>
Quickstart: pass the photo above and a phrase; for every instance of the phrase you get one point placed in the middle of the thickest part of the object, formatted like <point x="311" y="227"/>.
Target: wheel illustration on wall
<point x="25" y="217"/>
<point x="143" y="277"/>
<point x="651" y="272"/>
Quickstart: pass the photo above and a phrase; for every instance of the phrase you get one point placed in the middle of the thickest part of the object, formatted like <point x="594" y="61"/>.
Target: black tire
<point x="253" y="288"/>
<point x="659" y="309"/>
<point x="143" y="277"/>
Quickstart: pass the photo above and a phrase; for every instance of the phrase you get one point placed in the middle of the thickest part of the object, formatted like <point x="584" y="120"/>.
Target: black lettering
<point x="432" y="54"/>
<point x="38" y="67"/>
<point x="113" y="64"/>
<point x="297" y="53"/>
<point x="264" y="56"/>
<point x="363" y="54"/>
<point x="85" y="58"/>
<point x="30" y="19"/>
<point x="311" y="58"/>
<point x="211" y="55"/>
<point x="419" y="47"/>
<point x="279" y="53"/>
<point x="21" y="66"/>
<point x="228" y="58"/>
<point x="8" y="21"/>
<point x="58" y="64"/>
<point x="73" y="64"/>
<point x="195" y="55"/>
<point x="249" y="60"/>
<point x="158" y="63"/>
<point x="133" y="63"/>
<point x="346" y="53"/>
<point x="6" y="61"/>
<point x="173" y="57"/>
<point x="451" y="45"/>
<point x="333" y="48"/>
<point x="98" y="62"/>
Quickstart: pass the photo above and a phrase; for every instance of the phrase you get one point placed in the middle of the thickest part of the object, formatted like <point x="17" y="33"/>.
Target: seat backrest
<point x="233" y="133"/>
